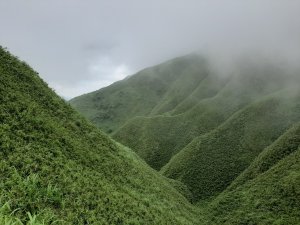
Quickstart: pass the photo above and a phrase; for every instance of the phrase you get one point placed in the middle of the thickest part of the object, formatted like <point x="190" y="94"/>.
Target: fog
<point x="80" y="46"/>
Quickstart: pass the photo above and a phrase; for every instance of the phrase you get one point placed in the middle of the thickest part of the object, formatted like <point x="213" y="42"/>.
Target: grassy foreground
<point x="57" y="166"/>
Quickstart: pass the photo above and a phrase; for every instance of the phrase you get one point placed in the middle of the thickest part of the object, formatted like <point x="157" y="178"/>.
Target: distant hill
<point x="149" y="92"/>
<point x="195" y="100"/>
<point x="232" y="139"/>
<point x="59" y="169"/>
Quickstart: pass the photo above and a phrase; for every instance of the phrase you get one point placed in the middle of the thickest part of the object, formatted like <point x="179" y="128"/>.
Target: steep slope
<point x="212" y="161"/>
<point x="268" y="192"/>
<point x="58" y="166"/>
<point x="150" y="91"/>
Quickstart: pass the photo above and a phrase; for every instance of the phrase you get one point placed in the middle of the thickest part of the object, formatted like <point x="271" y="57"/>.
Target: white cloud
<point x="101" y="72"/>
<point x="105" y="69"/>
<point x="79" y="46"/>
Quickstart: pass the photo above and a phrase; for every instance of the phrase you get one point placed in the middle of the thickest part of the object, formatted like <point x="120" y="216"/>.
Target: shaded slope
<point x="268" y="192"/>
<point x="151" y="91"/>
<point x="212" y="161"/>
<point x="56" y="164"/>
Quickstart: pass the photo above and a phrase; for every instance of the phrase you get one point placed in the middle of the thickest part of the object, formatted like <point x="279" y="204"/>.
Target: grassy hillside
<point x="158" y="138"/>
<point x="209" y="135"/>
<point x="150" y="91"/>
<point x="57" y="166"/>
<point x="232" y="144"/>
<point x="212" y="161"/>
<point x="268" y="192"/>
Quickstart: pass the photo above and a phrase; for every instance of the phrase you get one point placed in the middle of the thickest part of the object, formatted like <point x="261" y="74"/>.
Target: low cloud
<point x="102" y="72"/>
<point x="81" y="46"/>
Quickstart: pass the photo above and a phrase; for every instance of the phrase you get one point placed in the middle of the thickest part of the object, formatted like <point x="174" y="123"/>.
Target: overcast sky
<point x="79" y="46"/>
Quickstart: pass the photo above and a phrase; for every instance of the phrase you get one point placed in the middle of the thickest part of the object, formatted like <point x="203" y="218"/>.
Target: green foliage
<point x="151" y="91"/>
<point x="268" y="192"/>
<point x="196" y="100"/>
<point x="212" y="161"/>
<point x="56" y="168"/>
<point x="223" y="140"/>
<point x="7" y="217"/>
<point x="215" y="136"/>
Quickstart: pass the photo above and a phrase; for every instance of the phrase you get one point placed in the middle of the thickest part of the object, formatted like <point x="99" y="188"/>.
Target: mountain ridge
<point x="58" y="168"/>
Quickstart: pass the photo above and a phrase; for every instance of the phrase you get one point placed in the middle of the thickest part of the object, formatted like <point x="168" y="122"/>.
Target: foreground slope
<point x="268" y="192"/>
<point x="56" y="165"/>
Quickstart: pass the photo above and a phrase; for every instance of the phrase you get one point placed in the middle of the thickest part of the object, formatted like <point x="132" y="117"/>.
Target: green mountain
<point x="150" y="91"/>
<point x="158" y="138"/>
<point x="231" y="143"/>
<point x="232" y="139"/>
<point x="195" y="102"/>
<point x="268" y="191"/>
<point x="57" y="168"/>
<point x="212" y="161"/>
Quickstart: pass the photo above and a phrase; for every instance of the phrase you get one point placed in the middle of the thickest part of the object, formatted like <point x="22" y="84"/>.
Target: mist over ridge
<point x="88" y="45"/>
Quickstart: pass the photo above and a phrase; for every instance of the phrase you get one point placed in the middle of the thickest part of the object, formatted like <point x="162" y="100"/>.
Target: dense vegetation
<point x="142" y="94"/>
<point x="232" y="145"/>
<point x="194" y="102"/>
<point x="212" y="161"/>
<point x="233" y="139"/>
<point x="157" y="138"/>
<point x="268" y="192"/>
<point x="55" y="167"/>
